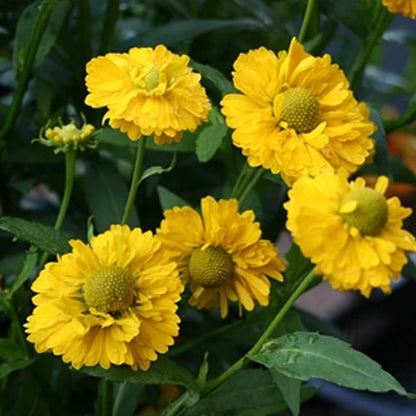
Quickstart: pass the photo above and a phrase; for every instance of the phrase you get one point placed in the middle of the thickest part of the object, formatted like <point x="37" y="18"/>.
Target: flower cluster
<point x="115" y="300"/>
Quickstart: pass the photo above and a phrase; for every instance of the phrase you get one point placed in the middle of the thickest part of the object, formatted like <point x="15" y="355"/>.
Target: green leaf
<point x="290" y="389"/>
<point x="247" y="389"/>
<point x="306" y="355"/>
<point x="209" y="140"/>
<point x="126" y="398"/>
<point x="177" y="33"/>
<point x="106" y="194"/>
<point x="24" y="33"/>
<point x="347" y="13"/>
<point x="381" y="157"/>
<point x="400" y="172"/>
<point x="169" y="200"/>
<point x="14" y="365"/>
<point x="157" y="170"/>
<point x="214" y="76"/>
<point x="162" y="371"/>
<point x="186" y="144"/>
<point x="45" y="238"/>
<point x="29" y="265"/>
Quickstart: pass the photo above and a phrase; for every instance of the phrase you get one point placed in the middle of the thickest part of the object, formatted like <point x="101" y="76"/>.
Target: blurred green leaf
<point x="29" y="265"/>
<point x="209" y="140"/>
<point x="347" y="13"/>
<point x="214" y="76"/>
<point x="45" y="238"/>
<point x="162" y="371"/>
<point x="381" y="157"/>
<point x="106" y="194"/>
<point x="169" y="200"/>
<point x="24" y="32"/>
<point x="306" y="355"/>
<point x="10" y="366"/>
<point x="127" y="396"/>
<point x="400" y="172"/>
<point x="290" y="389"/>
<point x="176" y="33"/>
<point x="247" y="389"/>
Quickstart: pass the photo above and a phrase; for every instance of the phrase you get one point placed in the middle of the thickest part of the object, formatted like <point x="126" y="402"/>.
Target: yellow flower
<point x="405" y="7"/>
<point x="147" y="91"/>
<point x="350" y="231"/>
<point x="222" y="254"/>
<point x="296" y="114"/>
<point x="110" y="302"/>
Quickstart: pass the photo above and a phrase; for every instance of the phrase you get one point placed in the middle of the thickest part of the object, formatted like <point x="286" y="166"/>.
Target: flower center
<point x="151" y="80"/>
<point x="109" y="289"/>
<point x="69" y="134"/>
<point x="365" y="209"/>
<point x="300" y="109"/>
<point x="211" y="267"/>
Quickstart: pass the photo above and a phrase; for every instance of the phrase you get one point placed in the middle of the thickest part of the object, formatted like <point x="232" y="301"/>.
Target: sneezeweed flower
<point x="350" y="231"/>
<point x="110" y="302"/>
<point x="405" y="7"/>
<point x="68" y="137"/>
<point x="296" y="114"/>
<point x="221" y="254"/>
<point x="147" y="91"/>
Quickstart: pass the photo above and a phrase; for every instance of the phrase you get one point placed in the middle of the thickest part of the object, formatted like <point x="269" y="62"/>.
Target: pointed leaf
<point x="290" y="389"/>
<point x="162" y="371"/>
<point x="45" y="238"/>
<point x="157" y="170"/>
<point x="304" y="355"/>
<point x="106" y="194"/>
<point x="214" y="76"/>
<point x="169" y="200"/>
<point x="209" y="140"/>
<point x="24" y="32"/>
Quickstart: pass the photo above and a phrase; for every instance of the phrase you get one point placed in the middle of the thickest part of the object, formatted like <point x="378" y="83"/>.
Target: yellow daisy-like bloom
<point x="222" y="254"/>
<point x="296" y="114"/>
<point x="110" y="302"/>
<point x="147" y="91"/>
<point x="405" y="7"/>
<point x="350" y="231"/>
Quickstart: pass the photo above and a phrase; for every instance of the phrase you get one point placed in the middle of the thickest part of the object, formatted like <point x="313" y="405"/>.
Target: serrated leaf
<point x="209" y="140"/>
<point x="162" y="371"/>
<point x="169" y="199"/>
<point x="214" y="76"/>
<point x="106" y="194"/>
<point x="305" y="355"/>
<point x="45" y="238"/>
<point x="24" y="32"/>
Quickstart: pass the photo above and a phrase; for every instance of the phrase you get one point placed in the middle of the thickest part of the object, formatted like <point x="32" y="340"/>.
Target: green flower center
<point x="365" y="209"/>
<point x="300" y="109"/>
<point x="151" y="80"/>
<point x="211" y="267"/>
<point x="109" y="289"/>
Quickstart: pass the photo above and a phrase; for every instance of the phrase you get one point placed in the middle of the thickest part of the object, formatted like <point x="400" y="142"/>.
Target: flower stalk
<point x="135" y="181"/>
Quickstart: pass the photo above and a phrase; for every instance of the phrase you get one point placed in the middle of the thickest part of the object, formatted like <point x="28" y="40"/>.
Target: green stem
<point x="106" y="404"/>
<point x="69" y="184"/>
<point x="382" y="22"/>
<point x="110" y="20"/>
<point x="408" y="117"/>
<point x="22" y="76"/>
<point x="307" y="19"/>
<point x="84" y="31"/>
<point x="243" y="178"/>
<point x="266" y="334"/>
<point x="247" y="189"/>
<point x="135" y="181"/>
